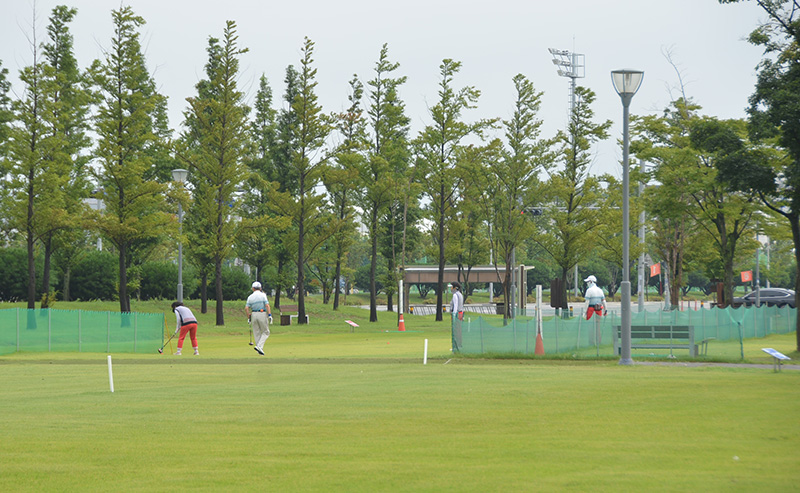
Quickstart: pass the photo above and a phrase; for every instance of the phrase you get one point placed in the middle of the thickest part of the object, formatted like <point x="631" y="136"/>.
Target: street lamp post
<point x="180" y="175"/>
<point x="626" y="83"/>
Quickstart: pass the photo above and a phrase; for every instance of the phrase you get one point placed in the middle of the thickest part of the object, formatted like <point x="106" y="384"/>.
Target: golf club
<point x="161" y="350"/>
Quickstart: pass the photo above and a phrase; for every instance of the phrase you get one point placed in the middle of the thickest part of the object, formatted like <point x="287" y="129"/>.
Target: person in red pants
<point x="595" y="298"/>
<point x="187" y="324"/>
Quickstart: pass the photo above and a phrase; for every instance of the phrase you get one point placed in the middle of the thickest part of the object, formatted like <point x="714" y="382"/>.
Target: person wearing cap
<point x="456" y="314"/>
<point x="187" y="324"/>
<point x="259" y="315"/>
<point x="595" y="298"/>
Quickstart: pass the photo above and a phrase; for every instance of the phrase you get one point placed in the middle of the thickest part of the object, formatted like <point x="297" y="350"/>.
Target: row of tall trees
<point x="286" y="190"/>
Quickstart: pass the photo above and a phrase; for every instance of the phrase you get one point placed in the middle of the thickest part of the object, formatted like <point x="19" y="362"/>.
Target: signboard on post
<point x="747" y="276"/>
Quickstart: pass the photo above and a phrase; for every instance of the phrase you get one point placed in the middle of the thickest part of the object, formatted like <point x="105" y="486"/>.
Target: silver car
<point x="769" y="297"/>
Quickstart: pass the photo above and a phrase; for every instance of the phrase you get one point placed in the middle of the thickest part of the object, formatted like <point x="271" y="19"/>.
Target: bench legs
<point x="295" y="316"/>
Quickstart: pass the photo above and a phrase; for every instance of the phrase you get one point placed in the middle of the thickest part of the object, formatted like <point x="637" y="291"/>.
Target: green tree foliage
<point x="95" y="277"/>
<point x="304" y="206"/>
<point x="6" y="114"/>
<point x="387" y="156"/>
<point x="218" y="116"/>
<point x="38" y="167"/>
<point x="437" y="149"/>
<point x="775" y="118"/>
<point x="664" y="142"/>
<point x="71" y="99"/>
<point x="258" y="243"/>
<point x="14" y="273"/>
<point x="124" y="125"/>
<point x="341" y="180"/>
<point x="505" y="179"/>
<point x="572" y="193"/>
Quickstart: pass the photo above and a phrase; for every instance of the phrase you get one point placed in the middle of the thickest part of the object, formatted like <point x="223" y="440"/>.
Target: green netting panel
<point x="77" y="330"/>
<point x="716" y="331"/>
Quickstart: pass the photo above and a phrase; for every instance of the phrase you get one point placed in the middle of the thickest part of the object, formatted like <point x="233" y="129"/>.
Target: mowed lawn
<point x="336" y="410"/>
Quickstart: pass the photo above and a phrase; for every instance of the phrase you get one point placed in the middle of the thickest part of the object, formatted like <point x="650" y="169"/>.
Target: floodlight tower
<point x="572" y="66"/>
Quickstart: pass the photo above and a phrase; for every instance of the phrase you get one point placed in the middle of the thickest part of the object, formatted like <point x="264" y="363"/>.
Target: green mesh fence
<point x="714" y="332"/>
<point x="77" y="330"/>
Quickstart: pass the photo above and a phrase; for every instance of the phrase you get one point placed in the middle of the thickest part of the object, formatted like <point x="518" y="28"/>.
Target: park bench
<point x="287" y="315"/>
<point x="660" y="337"/>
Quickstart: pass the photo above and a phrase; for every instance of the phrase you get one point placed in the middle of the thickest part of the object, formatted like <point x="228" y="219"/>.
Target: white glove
<point x="270" y="319"/>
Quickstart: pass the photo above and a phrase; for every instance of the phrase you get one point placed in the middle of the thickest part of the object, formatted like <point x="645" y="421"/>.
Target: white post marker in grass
<point x="425" y="354"/>
<point x="110" y="375"/>
<point x="777" y="357"/>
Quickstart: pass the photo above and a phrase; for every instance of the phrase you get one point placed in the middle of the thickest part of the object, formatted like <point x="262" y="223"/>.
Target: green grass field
<point x="333" y="410"/>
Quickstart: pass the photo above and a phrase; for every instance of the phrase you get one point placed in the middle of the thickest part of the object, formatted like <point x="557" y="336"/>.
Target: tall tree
<point x="124" y="125"/>
<point x="219" y="115"/>
<point x="304" y="206"/>
<point x="775" y="117"/>
<point x="341" y="178"/>
<point x="437" y="149"/>
<point x="571" y="192"/>
<point x="284" y="179"/>
<point x="506" y="179"/>
<point x="253" y="246"/>
<point x="664" y="141"/>
<point x="387" y="153"/>
<point x="70" y="108"/>
<point x="39" y="165"/>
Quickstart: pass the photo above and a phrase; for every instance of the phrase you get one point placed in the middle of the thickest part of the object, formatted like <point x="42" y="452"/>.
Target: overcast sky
<point x="494" y="41"/>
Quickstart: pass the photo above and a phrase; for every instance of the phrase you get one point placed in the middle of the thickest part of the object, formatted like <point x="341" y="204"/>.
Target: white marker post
<point x="110" y="374"/>
<point x="425" y="354"/>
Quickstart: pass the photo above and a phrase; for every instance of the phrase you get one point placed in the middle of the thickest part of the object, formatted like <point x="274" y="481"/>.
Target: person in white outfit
<point x="259" y="315"/>
<point x="595" y="298"/>
<point x="456" y="314"/>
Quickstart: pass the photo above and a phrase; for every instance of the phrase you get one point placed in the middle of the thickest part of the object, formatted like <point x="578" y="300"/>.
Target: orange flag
<point x="747" y="275"/>
<point x="655" y="270"/>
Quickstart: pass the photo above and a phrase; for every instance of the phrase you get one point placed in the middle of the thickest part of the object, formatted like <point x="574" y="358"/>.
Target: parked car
<point x="769" y="297"/>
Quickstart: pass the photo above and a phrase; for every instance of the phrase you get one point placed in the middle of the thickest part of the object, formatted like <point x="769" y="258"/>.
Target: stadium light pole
<point x="573" y="66"/>
<point x="626" y="83"/>
<point x="180" y="175"/>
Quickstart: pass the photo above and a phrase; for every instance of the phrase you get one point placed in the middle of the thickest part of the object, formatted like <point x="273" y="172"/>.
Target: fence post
<point x="108" y="332"/>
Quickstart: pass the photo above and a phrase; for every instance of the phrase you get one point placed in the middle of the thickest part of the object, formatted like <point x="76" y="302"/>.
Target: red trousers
<point x="191" y="329"/>
<point x="591" y="311"/>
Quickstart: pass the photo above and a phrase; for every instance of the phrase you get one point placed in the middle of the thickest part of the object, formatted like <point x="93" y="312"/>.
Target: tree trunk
<point x="279" y="286"/>
<point x="440" y="239"/>
<point x="301" y="273"/>
<point x="65" y="287"/>
<point x="336" y="282"/>
<point x="48" y="251"/>
<point x="373" y="268"/>
<point x="218" y="285"/>
<point x="793" y="220"/>
<point x="204" y="292"/>
<point x="124" y="301"/>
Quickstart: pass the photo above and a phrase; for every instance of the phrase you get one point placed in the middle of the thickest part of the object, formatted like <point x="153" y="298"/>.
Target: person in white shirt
<point x="187" y="324"/>
<point x="595" y="298"/>
<point x="456" y="314"/>
<point x="259" y="315"/>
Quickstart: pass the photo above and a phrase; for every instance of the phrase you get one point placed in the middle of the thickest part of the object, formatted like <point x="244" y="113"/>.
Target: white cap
<point x="590" y="279"/>
<point x="256" y="285"/>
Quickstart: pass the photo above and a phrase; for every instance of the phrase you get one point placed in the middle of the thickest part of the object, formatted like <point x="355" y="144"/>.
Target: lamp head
<point x="627" y="81"/>
<point x="180" y="175"/>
